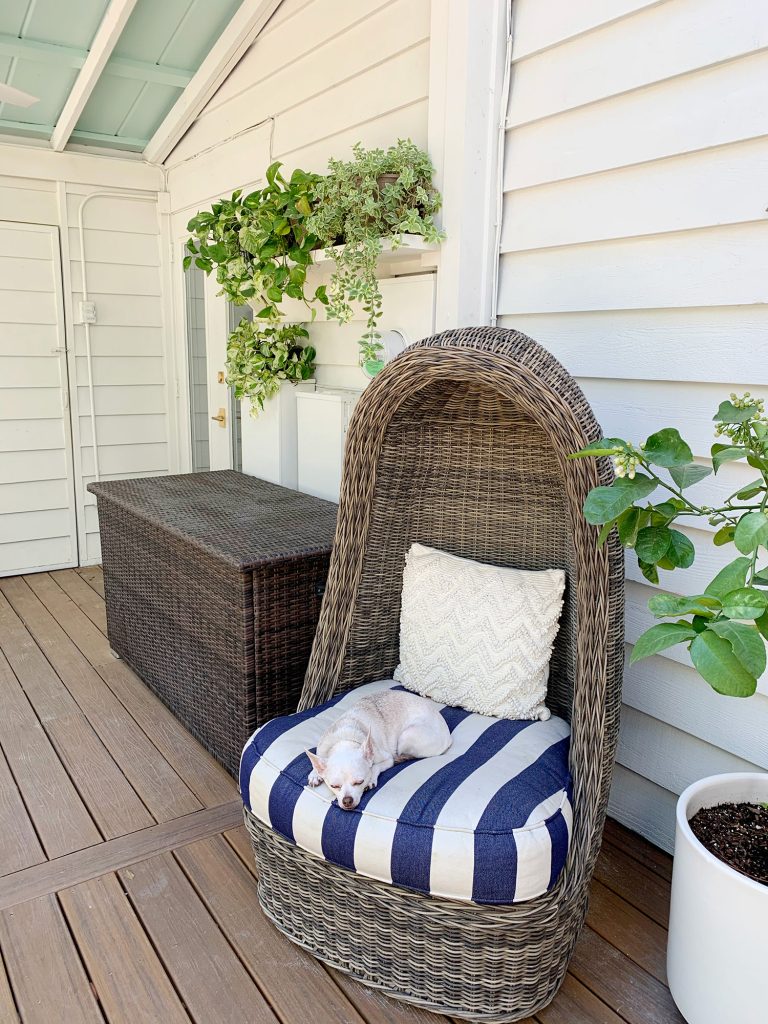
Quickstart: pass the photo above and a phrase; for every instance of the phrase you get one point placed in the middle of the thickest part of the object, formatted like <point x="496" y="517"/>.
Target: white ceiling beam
<point x="244" y="27"/>
<point x="69" y="56"/>
<point x="105" y="40"/>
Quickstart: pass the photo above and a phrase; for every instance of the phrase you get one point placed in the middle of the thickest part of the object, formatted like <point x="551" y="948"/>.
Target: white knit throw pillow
<point x="478" y="636"/>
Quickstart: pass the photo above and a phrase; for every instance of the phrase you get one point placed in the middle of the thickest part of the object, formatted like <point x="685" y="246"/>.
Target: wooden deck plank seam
<point x="92" y="862"/>
<point x="81" y="958"/>
<point x="265" y="994"/>
<point x="94" y="716"/>
<point x="158" y="952"/>
<point x="173" y="781"/>
<point x="103" y="674"/>
<point x="60" y="752"/>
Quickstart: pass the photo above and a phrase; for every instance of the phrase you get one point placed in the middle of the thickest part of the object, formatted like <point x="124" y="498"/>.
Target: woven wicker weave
<point x="460" y="443"/>
<point x="213" y="584"/>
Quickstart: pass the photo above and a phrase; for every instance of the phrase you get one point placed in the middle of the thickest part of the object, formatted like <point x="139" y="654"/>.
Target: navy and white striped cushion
<point x="489" y="821"/>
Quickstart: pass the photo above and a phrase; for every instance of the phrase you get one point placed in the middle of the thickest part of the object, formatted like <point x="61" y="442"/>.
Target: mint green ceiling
<point x="43" y="44"/>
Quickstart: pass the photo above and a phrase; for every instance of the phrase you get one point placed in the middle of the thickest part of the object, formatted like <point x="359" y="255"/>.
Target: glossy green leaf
<point x="762" y="624"/>
<point x="751" y="531"/>
<point x="747" y="644"/>
<point x="664" y="605"/>
<point x="724" y="535"/>
<point x="715" y="661"/>
<point x="604" y="503"/>
<point x="730" y="413"/>
<point x="745" y="603"/>
<point x="751" y="490"/>
<point x="628" y="524"/>
<point x="667" y="448"/>
<point x="687" y="476"/>
<point x="731" y="577"/>
<point x="659" y="638"/>
<point x="653" y="542"/>
<point x="649" y="570"/>
<point x="681" y="550"/>
<point x="726" y="453"/>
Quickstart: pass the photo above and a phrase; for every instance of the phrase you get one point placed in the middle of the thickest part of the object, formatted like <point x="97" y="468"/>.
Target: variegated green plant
<point x="726" y="627"/>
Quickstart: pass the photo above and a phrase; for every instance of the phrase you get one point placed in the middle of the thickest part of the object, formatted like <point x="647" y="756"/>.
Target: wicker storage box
<point x="213" y="587"/>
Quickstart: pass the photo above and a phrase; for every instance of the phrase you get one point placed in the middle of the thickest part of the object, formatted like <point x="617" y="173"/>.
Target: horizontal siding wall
<point x="123" y="267"/>
<point x="633" y="247"/>
<point x="319" y="78"/>
<point x="122" y="260"/>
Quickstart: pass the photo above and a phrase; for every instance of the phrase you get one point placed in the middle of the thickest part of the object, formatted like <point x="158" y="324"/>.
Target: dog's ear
<point x="367" y="748"/>
<point x="317" y="762"/>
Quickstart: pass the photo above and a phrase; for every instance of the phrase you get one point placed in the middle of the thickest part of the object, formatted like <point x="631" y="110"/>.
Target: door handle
<point x="221" y="419"/>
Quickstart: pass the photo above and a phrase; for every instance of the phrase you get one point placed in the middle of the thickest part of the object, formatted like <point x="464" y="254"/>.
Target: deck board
<point x="110" y="913"/>
<point x="128" y="976"/>
<point x="226" y="887"/>
<point x="55" y="807"/>
<point x="157" y="785"/>
<point x="111" y="800"/>
<point x="44" y="967"/>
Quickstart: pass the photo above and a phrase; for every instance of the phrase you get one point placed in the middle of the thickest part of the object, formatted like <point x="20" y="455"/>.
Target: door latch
<point x="221" y="419"/>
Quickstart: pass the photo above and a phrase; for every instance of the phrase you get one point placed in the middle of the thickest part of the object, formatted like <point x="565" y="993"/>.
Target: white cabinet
<point x="322" y="418"/>
<point x="269" y="439"/>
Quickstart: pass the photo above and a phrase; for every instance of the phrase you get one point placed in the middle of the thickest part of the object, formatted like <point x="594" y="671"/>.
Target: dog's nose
<point x="347" y="802"/>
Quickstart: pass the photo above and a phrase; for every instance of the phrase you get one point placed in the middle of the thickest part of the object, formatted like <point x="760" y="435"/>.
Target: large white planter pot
<point x="718" y="926"/>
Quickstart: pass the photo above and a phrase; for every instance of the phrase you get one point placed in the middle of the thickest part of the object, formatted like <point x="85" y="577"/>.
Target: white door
<point x="214" y="416"/>
<point x="37" y="495"/>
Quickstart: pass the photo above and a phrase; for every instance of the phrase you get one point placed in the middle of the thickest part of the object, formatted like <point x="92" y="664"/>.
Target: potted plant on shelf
<point x="379" y="194"/>
<point x="719" y="909"/>
<point x="260" y="247"/>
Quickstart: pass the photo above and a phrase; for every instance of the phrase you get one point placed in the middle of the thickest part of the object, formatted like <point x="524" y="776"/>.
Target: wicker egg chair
<point x="460" y="443"/>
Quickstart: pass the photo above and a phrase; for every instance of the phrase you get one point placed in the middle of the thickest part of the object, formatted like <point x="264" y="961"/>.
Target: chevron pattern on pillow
<point x="478" y="636"/>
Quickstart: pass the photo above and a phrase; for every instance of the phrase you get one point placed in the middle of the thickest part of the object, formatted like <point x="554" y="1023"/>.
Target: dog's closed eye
<point x="358" y="782"/>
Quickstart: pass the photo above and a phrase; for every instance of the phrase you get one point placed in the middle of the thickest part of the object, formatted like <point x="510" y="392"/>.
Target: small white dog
<point x="375" y="733"/>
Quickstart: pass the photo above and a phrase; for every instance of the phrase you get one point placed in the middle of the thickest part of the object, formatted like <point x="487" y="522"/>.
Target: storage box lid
<point x="237" y="518"/>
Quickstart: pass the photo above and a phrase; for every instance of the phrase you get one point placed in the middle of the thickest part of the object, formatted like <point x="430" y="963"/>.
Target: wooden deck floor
<point x="127" y="889"/>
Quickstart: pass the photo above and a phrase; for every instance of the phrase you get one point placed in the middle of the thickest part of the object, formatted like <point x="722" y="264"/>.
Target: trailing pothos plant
<point x="260" y="248"/>
<point x="260" y="358"/>
<point x="378" y="194"/>
<point x="725" y="627"/>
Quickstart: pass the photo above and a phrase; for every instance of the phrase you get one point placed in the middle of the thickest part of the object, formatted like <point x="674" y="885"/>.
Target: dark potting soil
<point x="736" y="834"/>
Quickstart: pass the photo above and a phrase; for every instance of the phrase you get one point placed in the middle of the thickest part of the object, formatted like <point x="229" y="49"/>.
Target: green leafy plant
<point x="378" y="194"/>
<point x="260" y="248"/>
<point x="260" y="358"/>
<point x="724" y="628"/>
<point x="259" y="245"/>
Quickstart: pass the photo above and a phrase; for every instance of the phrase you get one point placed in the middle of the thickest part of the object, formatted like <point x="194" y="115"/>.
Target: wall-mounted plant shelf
<point x="412" y="248"/>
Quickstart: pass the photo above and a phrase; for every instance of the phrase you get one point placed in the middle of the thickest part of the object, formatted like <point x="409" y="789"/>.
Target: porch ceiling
<point x="152" y="50"/>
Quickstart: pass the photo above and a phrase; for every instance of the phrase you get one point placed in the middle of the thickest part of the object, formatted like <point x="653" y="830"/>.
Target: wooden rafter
<point x="112" y="24"/>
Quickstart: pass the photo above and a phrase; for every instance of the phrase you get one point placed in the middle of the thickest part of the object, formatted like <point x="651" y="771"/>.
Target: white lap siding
<point x="633" y="247"/>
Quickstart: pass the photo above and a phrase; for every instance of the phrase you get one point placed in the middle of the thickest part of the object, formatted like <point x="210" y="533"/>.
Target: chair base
<point x="490" y="964"/>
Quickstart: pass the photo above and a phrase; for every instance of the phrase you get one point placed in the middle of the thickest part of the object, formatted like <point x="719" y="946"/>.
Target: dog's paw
<point x="314" y="779"/>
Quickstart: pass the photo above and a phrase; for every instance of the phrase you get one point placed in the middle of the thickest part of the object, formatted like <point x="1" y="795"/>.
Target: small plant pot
<point x="386" y="179"/>
<point x="718" y="916"/>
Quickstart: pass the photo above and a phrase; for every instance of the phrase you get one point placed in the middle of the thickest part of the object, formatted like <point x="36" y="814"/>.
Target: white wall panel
<point x="633" y="246"/>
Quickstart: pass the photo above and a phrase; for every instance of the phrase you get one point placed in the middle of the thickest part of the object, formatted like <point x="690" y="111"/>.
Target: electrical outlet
<point x="88" y="312"/>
